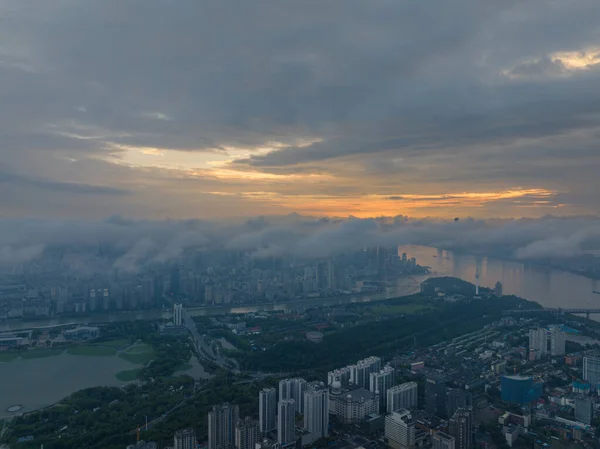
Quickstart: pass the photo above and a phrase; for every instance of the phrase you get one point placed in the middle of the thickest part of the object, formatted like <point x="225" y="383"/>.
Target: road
<point x="204" y="349"/>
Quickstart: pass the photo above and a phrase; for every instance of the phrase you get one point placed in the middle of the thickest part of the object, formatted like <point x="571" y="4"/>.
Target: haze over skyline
<point x="201" y="109"/>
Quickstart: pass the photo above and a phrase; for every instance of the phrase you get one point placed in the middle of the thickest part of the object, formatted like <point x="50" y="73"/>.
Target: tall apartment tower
<point x="441" y="440"/>
<point x="316" y="409"/>
<point x="460" y="427"/>
<point x="286" y="430"/>
<point x="177" y="312"/>
<point x="584" y="409"/>
<point x="400" y="429"/>
<point x="246" y="433"/>
<point x="221" y="426"/>
<point x="381" y="382"/>
<point x="558" y="340"/>
<point x="363" y="369"/>
<point x="402" y="396"/>
<point x="185" y="439"/>
<point x="458" y="398"/>
<point x="293" y="389"/>
<point x="538" y="343"/>
<point x="435" y="395"/>
<point x="591" y="370"/>
<point x="267" y="410"/>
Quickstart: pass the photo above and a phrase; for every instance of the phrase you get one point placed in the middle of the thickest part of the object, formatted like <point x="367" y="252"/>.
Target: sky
<point x="154" y="109"/>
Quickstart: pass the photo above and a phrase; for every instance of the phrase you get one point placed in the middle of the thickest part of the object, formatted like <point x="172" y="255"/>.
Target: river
<point x="547" y="286"/>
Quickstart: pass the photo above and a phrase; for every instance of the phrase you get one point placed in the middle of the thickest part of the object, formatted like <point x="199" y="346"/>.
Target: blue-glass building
<point x="520" y="390"/>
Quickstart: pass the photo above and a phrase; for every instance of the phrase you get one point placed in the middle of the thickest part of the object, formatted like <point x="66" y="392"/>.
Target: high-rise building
<point x="558" y="340"/>
<point x="441" y="440"/>
<point x="498" y="289"/>
<point x="185" y="439"/>
<point x="331" y="275"/>
<point x="246" y="433"/>
<point x="293" y="389"/>
<point x="221" y="426"/>
<point x="267" y="409"/>
<point x="400" y="429"/>
<point x="460" y="427"/>
<point x="177" y="312"/>
<point x="520" y="390"/>
<point x="316" y="409"/>
<point x="402" y="396"/>
<point x="538" y="343"/>
<point x="435" y="395"/>
<point x="286" y="430"/>
<point x="363" y="369"/>
<point x="175" y="280"/>
<point x="584" y="409"/>
<point x="343" y="375"/>
<point x="458" y="398"/>
<point x="299" y="388"/>
<point x="320" y="278"/>
<point x="591" y="371"/>
<point x="380" y="382"/>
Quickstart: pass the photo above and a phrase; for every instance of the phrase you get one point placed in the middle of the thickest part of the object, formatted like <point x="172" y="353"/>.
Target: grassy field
<point x="139" y="354"/>
<point x="399" y="309"/>
<point x="128" y="375"/>
<point x="92" y="350"/>
<point x="41" y="352"/>
<point x="116" y="344"/>
<point x="8" y="356"/>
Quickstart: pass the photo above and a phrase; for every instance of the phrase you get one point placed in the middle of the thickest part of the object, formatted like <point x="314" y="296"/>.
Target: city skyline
<point x="351" y="108"/>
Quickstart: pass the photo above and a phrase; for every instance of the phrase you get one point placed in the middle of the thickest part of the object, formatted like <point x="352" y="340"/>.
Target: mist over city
<point x="309" y="225"/>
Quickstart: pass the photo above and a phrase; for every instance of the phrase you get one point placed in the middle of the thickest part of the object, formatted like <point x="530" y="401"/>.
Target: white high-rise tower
<point x="267" y="409"/>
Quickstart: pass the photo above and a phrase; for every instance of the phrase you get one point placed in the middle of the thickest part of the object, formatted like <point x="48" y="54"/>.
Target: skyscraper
<point x="498" y="289"/>
<point x="175" y="280"/>
<point x="538" y="343"/>
<point x="591" y="371"/>
<point x="185" y="439"/>
<point x="267" y="409"/>
<point x="331" y="275"/>
<point x="557" y="341"/>
<point x="221" y="426"/>
<point x="286" y="413"/>
<point x="519" y="390"/>
<point x="246" y="433"/>
<point x="584" y="409"/>
<point x="442" y="440"/>
<point x="177" y="311"/>
<point x="400" y="429"/>
<point x="363" y="370"/>
<point x="458" y="398"/>
<point x="343" y="375"/>
<point x="460" y="427"/>
<point x="435" y="395"/>
<point x="316" y="409"/>
<point x="402" y="396"/>
<point x="293" y="389"/>
<point x="380" y="382"/>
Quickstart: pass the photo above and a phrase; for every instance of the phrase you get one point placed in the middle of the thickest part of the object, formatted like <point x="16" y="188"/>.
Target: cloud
<point x="100" y="99"/>
<point x="136" y="245"/>
<point x="70" y="187"/>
